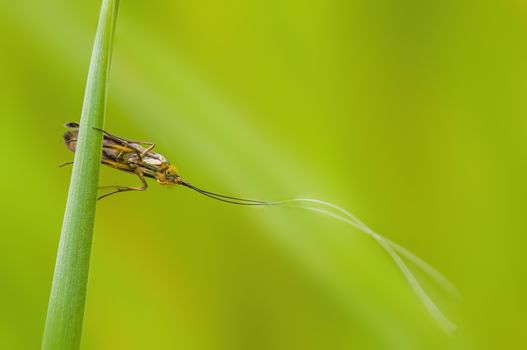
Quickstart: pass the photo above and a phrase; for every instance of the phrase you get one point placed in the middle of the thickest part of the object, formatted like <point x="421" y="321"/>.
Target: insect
<point x="138" y="158"/>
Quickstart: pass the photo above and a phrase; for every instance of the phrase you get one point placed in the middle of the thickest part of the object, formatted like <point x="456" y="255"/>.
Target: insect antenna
<point x="223" y="198"/>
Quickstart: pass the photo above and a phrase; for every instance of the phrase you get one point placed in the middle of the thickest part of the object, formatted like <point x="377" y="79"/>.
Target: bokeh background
<point x="411" y="114"/>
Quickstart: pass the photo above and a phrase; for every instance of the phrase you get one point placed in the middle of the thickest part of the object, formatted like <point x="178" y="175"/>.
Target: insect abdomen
<point x="70" y="139"/>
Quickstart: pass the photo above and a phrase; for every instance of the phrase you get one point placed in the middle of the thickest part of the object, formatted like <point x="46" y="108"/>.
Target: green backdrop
<point x="411" y="114"/>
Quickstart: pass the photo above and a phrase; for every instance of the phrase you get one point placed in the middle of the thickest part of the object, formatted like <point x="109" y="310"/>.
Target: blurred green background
<point x="411" y="114"/>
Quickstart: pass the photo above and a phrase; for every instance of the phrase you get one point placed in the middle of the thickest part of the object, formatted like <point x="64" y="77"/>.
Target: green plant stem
<point x="63" y="327"/>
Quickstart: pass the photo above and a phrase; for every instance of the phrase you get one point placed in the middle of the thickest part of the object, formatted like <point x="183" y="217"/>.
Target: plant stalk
<point x="64" y="319"/>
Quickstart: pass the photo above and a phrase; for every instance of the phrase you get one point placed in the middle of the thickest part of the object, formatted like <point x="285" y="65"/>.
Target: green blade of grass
<point x="63" y="327"/>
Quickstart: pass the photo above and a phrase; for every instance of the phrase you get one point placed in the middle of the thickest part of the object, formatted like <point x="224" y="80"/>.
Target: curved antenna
<point x="223" y="198"/>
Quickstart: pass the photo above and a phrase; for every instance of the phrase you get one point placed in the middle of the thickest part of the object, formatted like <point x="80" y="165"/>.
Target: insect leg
<point x="126" y="188"/>
<point x="130" y="143"/>
<point x="140" y="151"/>
<point x="151" y="147"/>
